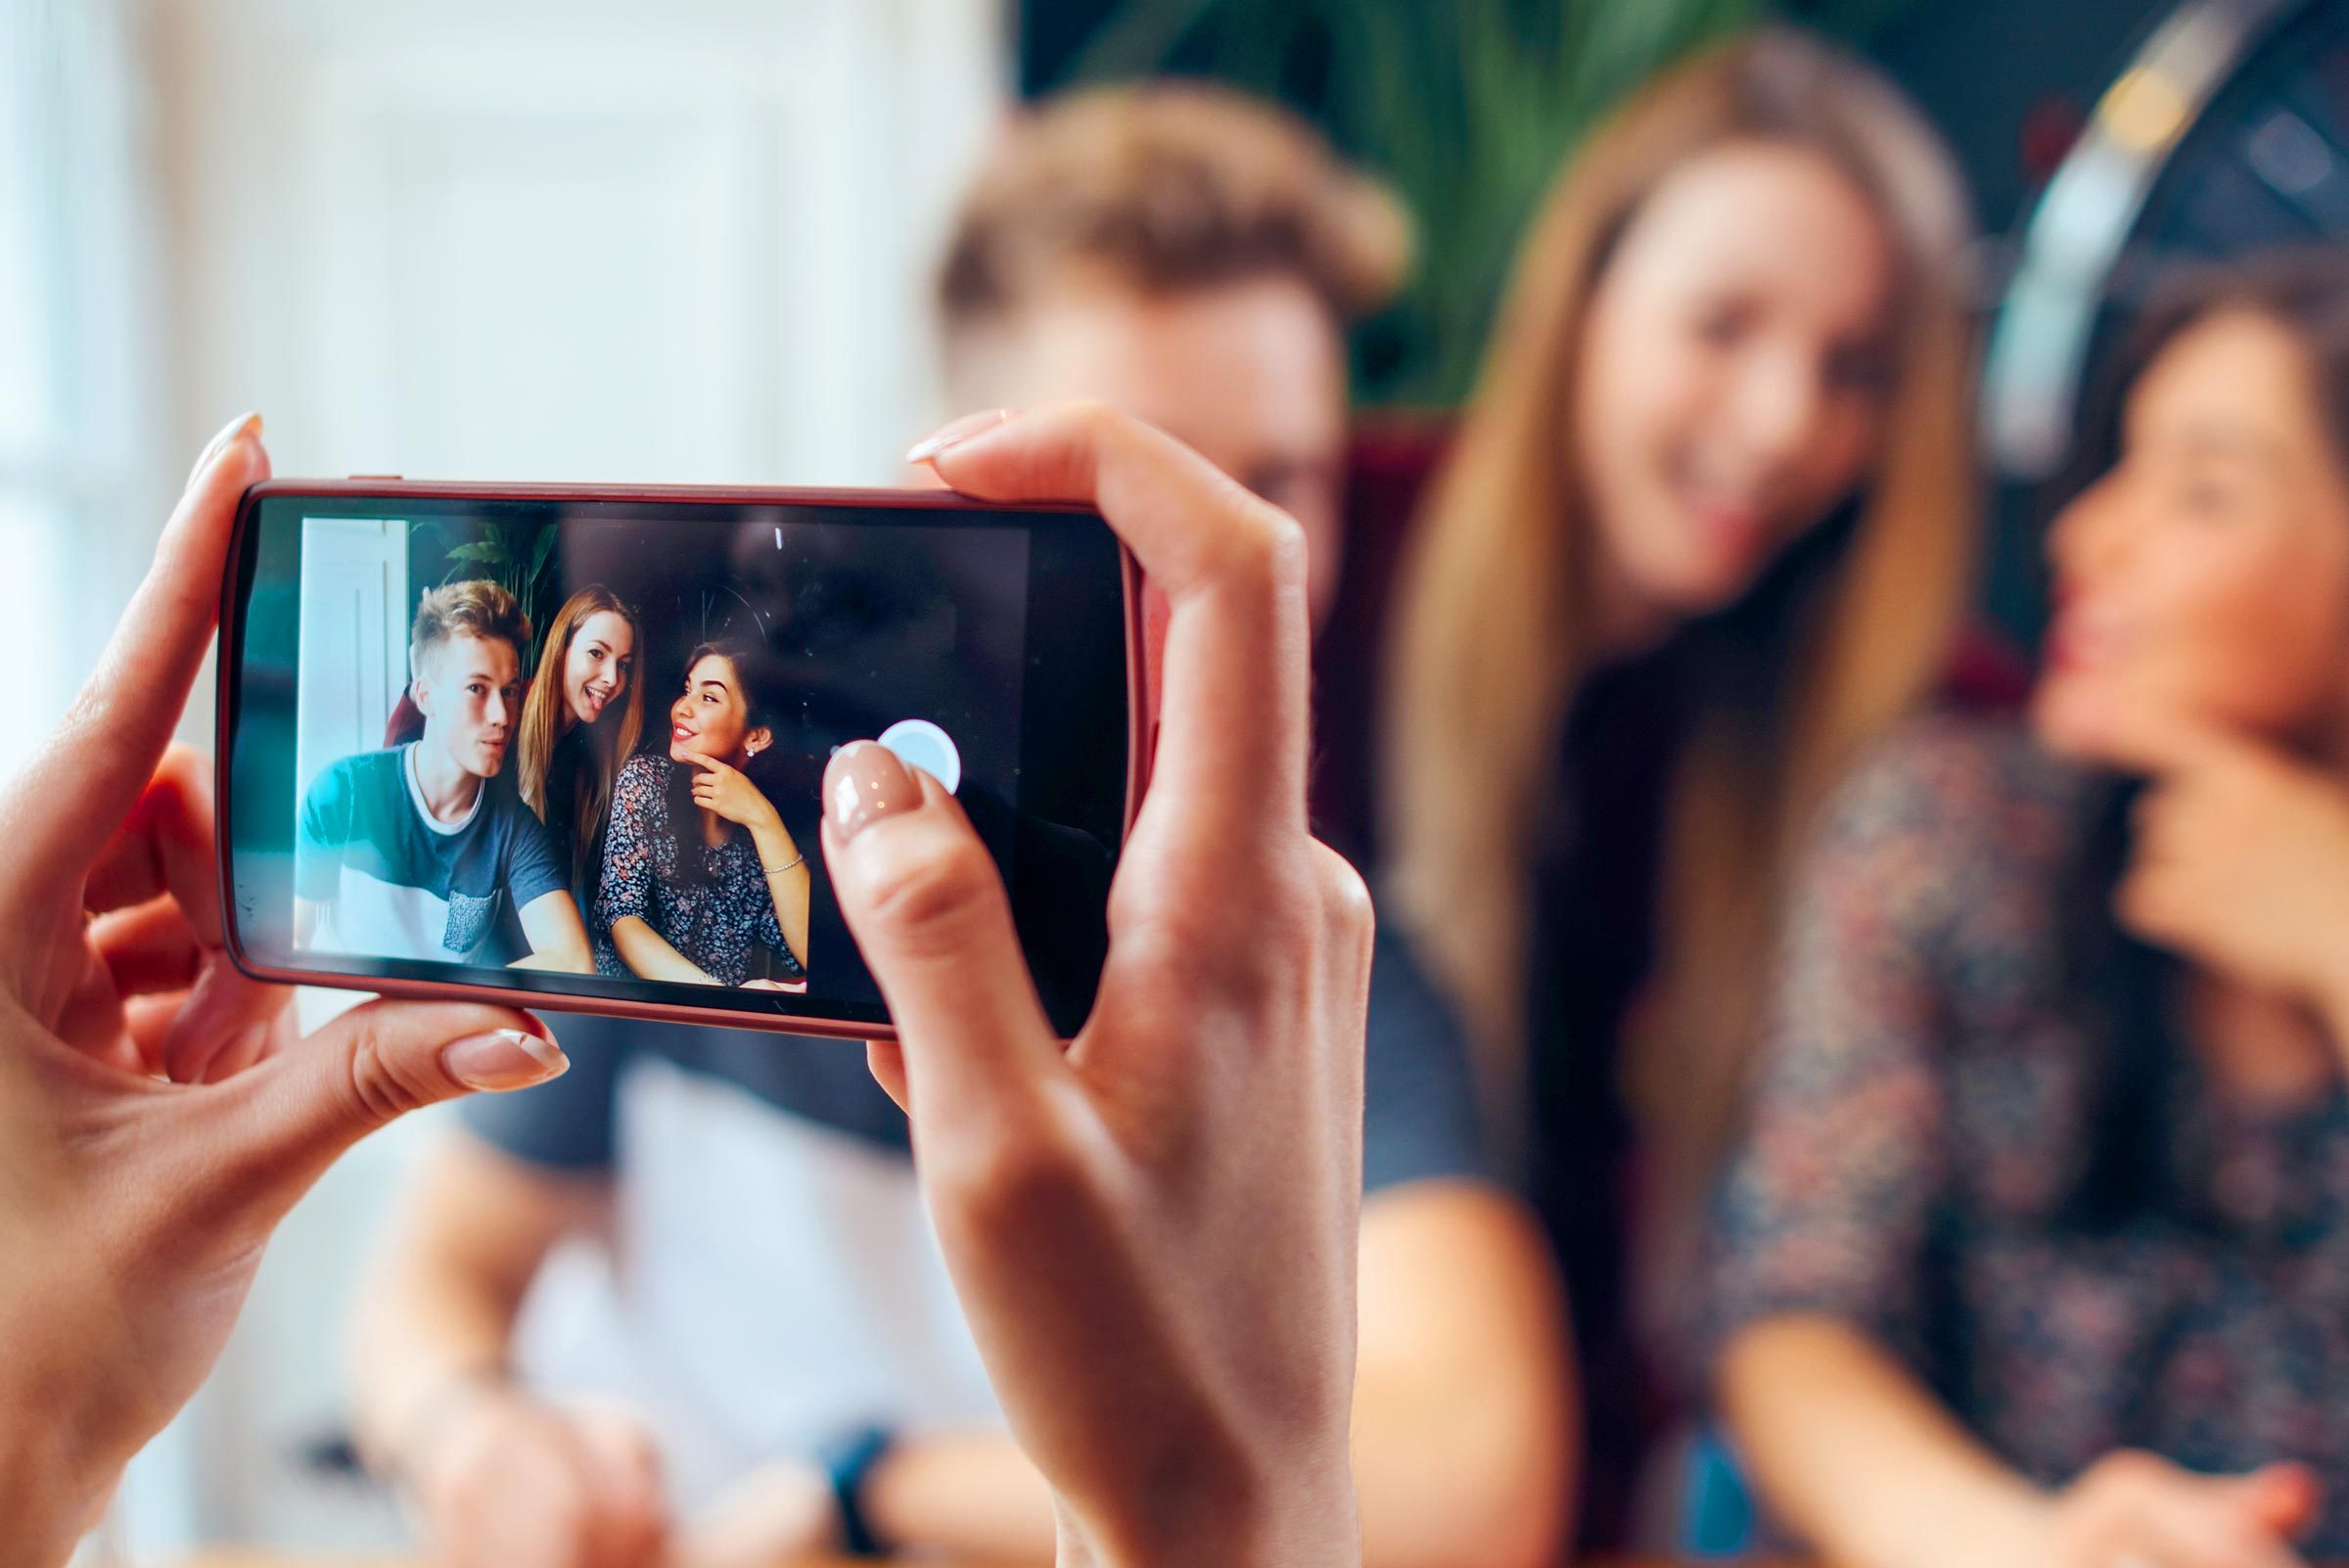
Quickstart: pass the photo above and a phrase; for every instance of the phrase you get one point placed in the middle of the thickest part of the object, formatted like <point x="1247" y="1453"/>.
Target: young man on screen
<point x="777" y="1312"/>
<point x="411" y="852"/>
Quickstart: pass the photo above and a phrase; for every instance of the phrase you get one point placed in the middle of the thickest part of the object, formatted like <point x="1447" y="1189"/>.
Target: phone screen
<point x="574" y="745"/>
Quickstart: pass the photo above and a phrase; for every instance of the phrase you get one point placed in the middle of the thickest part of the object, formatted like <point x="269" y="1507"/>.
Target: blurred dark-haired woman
<point x="699" y="870"/>
<point x="2037" y="1246"/>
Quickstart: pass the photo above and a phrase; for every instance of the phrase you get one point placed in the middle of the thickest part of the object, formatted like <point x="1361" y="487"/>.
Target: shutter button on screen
<point x="918" y="743"/>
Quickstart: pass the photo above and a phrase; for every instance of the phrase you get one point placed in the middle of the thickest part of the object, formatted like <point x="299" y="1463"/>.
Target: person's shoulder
<point x="1955" y="797"/>
<point x="1947" y="769"/>
<point x="355" y="774"/>
<point x="644" y="771"/>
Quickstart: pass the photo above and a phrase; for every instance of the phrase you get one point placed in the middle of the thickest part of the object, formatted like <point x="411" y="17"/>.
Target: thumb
<point x="928" y="911"/>
<point x="302" y="1110"/>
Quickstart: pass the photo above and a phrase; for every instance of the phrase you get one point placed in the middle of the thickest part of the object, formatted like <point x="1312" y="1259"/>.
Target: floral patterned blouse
<point x="714" y="925"/>
<point x="1918" y="1122"/>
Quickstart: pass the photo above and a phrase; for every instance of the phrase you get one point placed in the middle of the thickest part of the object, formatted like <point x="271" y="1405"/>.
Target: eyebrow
<point x="719" y="685"/>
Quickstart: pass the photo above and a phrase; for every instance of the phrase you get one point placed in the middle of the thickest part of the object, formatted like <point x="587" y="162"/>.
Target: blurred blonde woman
<point x="1708" y="526"/>
<point x="580" y="723"/>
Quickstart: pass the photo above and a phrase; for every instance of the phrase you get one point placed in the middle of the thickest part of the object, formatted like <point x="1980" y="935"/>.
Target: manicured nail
<point x="864" y="782"/>
<point x="242" y="425"/>
<point x="955" y="431"/>
<point x="504" y="1059"/>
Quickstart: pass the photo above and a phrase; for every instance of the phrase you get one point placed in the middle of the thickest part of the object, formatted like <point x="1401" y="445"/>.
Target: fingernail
<point x="954" y="431"/>
<point x="242" y="425"/>
<point x="504" y="1059"/>
<point x="864" y="782"/>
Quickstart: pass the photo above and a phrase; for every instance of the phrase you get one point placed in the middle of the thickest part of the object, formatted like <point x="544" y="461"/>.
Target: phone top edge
<point x="879" y="497"/>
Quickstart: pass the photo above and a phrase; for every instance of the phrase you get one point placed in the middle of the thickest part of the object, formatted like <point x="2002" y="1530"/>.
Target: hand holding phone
<point x="1151" y="1232"/>
<point x="156" y="1118"/>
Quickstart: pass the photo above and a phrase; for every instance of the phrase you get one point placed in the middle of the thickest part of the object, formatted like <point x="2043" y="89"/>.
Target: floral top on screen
<point x="1922" y="1115"/>
<point x="716" y="923"/>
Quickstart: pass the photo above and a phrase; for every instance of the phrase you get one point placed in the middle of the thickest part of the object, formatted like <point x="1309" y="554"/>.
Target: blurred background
<point x="693" y="241"/>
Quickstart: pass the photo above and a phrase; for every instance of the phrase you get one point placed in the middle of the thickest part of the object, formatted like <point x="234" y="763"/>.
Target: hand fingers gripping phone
<point x="564" y="746"/>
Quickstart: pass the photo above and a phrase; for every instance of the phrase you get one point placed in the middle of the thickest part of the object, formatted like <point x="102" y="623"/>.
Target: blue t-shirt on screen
<point x="394" y="881"/>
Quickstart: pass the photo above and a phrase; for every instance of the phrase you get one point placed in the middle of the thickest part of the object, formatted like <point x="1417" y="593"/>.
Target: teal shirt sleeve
<point x="323" y="827"/>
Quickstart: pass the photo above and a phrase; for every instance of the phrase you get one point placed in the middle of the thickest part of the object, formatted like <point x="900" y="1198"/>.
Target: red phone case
<point x="1137" y="739"/>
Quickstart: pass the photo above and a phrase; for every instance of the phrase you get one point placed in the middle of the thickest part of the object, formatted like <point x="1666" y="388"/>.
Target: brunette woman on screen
<point x="2040" y="1229"/>
<point x="1706" y="528"/>
<point x="699" y="868"/>
<point x="580" y="723"/>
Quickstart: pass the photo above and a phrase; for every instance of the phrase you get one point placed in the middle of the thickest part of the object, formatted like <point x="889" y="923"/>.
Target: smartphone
<point x="564" y="746"/>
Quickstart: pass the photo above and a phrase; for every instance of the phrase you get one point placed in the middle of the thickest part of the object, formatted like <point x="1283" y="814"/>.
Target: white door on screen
<point x="353" y="644"/>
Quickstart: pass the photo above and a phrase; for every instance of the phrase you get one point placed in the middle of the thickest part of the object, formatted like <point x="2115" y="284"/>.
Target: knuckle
<point x="1346" y="903"/>
<point x="1093" y="417"/>
<point x="931" y="891"/>
<point x="1261" y="546"/>
<point x="376" y="1088"/>
<point x="1270" y="951"/>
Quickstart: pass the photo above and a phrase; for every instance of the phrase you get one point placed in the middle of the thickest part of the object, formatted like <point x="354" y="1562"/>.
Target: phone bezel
<point x="229" y="668"/>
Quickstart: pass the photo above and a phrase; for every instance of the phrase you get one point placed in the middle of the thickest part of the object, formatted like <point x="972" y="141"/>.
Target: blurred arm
<point x="439" y="1306"/>
<point x="1861" y="1459"/>
<point x="649" y="956"/>
<point x="558" y="936"/>
<point x="1465" y="1434"/>
<point x="787" y="890"/>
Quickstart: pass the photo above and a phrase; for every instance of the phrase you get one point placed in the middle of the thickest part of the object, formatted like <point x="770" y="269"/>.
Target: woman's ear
<point x="757" y="739"/>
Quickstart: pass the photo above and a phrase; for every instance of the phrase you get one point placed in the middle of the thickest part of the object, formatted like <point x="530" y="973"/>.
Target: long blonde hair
<point x="1491" y="647"/>
<point x="610" y="742"/>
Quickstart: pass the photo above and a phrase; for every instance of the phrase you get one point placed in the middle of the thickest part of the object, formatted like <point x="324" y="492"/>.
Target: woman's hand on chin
<point x="2240" y="861"/>
<point x="728" y="791"/>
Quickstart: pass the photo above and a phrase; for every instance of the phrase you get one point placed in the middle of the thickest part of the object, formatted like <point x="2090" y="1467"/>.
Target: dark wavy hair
<point x="759" y="681"/>
<point x="2126" y="989"/>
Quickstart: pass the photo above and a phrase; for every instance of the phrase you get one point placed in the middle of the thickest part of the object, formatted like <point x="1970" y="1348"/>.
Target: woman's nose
<point x="2083" y="539"/>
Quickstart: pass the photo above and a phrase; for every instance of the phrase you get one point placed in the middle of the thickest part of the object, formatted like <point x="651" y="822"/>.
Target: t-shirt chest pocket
<point x="470" y="916"/>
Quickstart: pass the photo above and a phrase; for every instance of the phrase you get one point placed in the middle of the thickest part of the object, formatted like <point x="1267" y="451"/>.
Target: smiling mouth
<point x="678" y="732"/>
